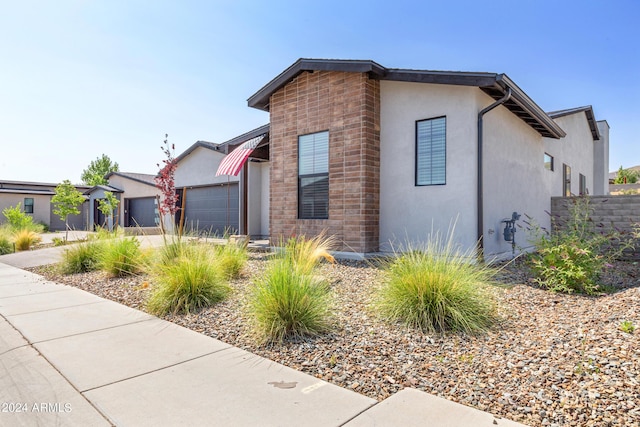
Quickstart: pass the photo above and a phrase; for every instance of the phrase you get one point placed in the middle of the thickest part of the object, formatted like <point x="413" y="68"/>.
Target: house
<point x="35" y="200"/>
<point x="211" y="204"/>
<point x="137" y="194"/>
<point x="377" y="156"/>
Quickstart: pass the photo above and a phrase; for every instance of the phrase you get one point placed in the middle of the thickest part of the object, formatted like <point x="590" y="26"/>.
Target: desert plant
<point x="66" y="201"/>
<point x="286" y="303"/>
<point x="81" y="258"/>
<point x="6" y="247"/>
<point x="18" y="220"/>
<point x="436" y="288"/>
<point x="573" y="256"/>
<point x="24" y="239"/>
<point x="190" y="282"/>
<point x="627" y="326"/>
<point x="121" y="257"/>
<point x="230" y="258"/>
<point x="291" y="300"/>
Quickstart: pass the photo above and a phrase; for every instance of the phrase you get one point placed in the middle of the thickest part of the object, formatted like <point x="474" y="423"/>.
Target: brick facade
<point x="348" y="106"/>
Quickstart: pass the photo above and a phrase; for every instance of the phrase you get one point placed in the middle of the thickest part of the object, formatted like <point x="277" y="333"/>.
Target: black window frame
<point x="29" y="209"/>
<point x="551" y="166"/>
<point x="417" y="153"/>
<point x="566" y="180"/>
<point x="322" y="212"/>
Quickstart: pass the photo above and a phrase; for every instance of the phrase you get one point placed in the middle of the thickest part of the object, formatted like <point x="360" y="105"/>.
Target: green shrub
<point x="24" y="239"/>
<point x="18" y="220"/>
<point x="290" y="300"/>
<point x="230" y="258"/>
<point x="58" y="241"/>
<point x="122" y="257"/>
<point x="6" y="247"/>
<point x="573" y="256"/>
<point x="81" y="258"/>
<point x="437" y="288"/>
<point x="627" y="326"/>
<point x="190" y="282"/>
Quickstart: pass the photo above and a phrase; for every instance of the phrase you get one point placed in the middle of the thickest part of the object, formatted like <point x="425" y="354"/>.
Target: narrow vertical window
<point x="548" y="161"/>
<point x="431" y="151"/>
<point x="313" y="176"/>
<point x="566" y="180"/>
<point x="583" y="185"/>
<point x="28" y="205"/>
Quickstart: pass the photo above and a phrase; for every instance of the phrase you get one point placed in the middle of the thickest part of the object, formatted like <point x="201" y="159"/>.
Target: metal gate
<point x="212" y="210"/>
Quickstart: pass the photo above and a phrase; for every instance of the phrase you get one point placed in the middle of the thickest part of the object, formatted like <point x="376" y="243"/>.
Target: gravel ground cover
<point x="553" y="359"/>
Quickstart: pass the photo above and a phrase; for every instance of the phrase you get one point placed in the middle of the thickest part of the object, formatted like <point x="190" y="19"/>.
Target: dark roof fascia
<point x="132" y="178"/>
<point x="260" y="99"/>
<point x="229" y="145"/>
<point x="588" y="111"/>
<point x="39" y="184"/>
<point x="27" y="191"/>
<point x="198" y="144"/>
<point x="104" y="188"/>
<point x="441" y="77"/>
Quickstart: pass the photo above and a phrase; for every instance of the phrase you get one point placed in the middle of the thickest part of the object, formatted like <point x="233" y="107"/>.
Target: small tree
<point x="66" y="202"/>
<point x="108" y="205"/>
<point x="626" y="176"/>
<point x="97" y="169"/>
<point x="166" y="183"/>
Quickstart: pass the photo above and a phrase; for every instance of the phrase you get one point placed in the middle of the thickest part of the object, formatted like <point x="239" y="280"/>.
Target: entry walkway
<point x="70" y="358"/>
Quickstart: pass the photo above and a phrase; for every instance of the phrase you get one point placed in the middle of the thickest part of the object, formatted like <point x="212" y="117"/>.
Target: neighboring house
<point x="212" y="204"/>
<point x="375" y="155"/>
<point x="96" y="216"/>
<point x="138" y="196"/>
<point x="35" y="200"/>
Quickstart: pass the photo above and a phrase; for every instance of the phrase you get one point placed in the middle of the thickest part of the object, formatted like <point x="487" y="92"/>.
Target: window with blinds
<point x="313" y="176"/>
<point x="431" y="151"/>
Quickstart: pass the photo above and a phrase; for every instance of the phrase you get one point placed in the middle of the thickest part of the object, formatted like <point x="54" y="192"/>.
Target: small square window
<point x="28" y="205"/>
<point x="548" y="161"/>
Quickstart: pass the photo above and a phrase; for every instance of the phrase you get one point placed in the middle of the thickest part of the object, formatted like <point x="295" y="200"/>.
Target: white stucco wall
<point x="41" y="205"/>
<point x="410" y="212"/>
<point x="575" y="150"/>
<point x="199" y="168"/>
<point x="601" y="161"/>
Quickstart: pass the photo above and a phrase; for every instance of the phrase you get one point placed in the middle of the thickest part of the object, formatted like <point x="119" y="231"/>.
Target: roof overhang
<point x="494" y="85"/>
<point x="588" y="111"/>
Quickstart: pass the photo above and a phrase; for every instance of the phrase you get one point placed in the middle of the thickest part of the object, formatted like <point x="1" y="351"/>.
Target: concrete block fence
<point x="619" y="212"/>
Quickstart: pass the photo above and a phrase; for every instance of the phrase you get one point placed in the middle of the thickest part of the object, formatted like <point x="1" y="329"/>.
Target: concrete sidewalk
<point x="70" y="358"/>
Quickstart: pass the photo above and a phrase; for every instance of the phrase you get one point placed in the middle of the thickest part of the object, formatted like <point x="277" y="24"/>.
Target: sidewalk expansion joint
<point x="53" y="309"/>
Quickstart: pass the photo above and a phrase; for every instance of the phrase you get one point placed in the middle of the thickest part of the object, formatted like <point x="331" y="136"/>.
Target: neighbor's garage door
<point x="142" y="212"/>
<point x="212" y="210"/>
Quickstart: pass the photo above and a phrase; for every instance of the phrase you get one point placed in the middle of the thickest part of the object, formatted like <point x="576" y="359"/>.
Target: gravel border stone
<point x="553" y="359"/>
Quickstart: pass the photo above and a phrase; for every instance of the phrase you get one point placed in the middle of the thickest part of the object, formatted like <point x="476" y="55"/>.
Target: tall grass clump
<point x="121" y="257"/>
<point x="82" y="257"/>
<point x="24" y="239"/>
<point x="6" y="246"/>
<point x="190" y="282"/>
<point x="230" y="258"/>
<point x="437" y="288"/>
<point x="290" y="300"/>
<point x="572" y="257"/>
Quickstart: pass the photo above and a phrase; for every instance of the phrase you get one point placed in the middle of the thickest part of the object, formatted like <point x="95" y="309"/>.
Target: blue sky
<point x="86" y="77"/>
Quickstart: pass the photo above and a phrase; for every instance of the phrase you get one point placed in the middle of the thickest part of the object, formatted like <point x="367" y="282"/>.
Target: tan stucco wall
<point x="406" y="210"/>
<point x="41" y="205"/>
<point x="132" y="189"/>
<point x="258" y="211"/>
<point x="199" y="168"/>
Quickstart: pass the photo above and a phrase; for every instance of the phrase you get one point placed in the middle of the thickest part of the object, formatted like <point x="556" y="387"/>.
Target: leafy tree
<point x="66" y="202"/>
<point x="97" y="169"/>
<point x="626" y="176"/>
<point x="166" y="184"/>
<point x="108" y="204"/>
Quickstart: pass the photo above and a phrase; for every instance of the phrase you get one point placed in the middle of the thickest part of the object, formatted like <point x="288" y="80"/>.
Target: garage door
<point x="212" y="210"/>
<point x="141" y="212"/>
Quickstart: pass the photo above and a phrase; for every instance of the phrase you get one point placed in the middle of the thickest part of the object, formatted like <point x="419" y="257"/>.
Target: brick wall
<point x="348" y="106"/>
<point x="613" y="212"/>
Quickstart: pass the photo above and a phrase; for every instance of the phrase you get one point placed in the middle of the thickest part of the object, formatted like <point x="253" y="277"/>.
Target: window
<point x="548" y="161"/>
<point x="583" y="185"/>
<point x="566" y="180"/>
<point x="431" y="152"/>
<point x="313" y="176"/>
<point x="28" y="205"/>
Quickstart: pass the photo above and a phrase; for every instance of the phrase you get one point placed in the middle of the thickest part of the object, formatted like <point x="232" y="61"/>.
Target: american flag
<point x="233" y="162"/>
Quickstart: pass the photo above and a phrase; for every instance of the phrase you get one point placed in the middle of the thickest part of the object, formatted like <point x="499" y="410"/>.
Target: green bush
<point x="190" y="282"/>
<point x="437" y="288"/>
<point x="81" y="258"/>
<point x="6" y="246"/>
<point x="18" y="220"/>
<point x="24" y="239"/>
<point x="121" y="257"/>
<point x="290" y="300"/>
<point x="230" y="258"/>
<point x="573" y="256"/>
